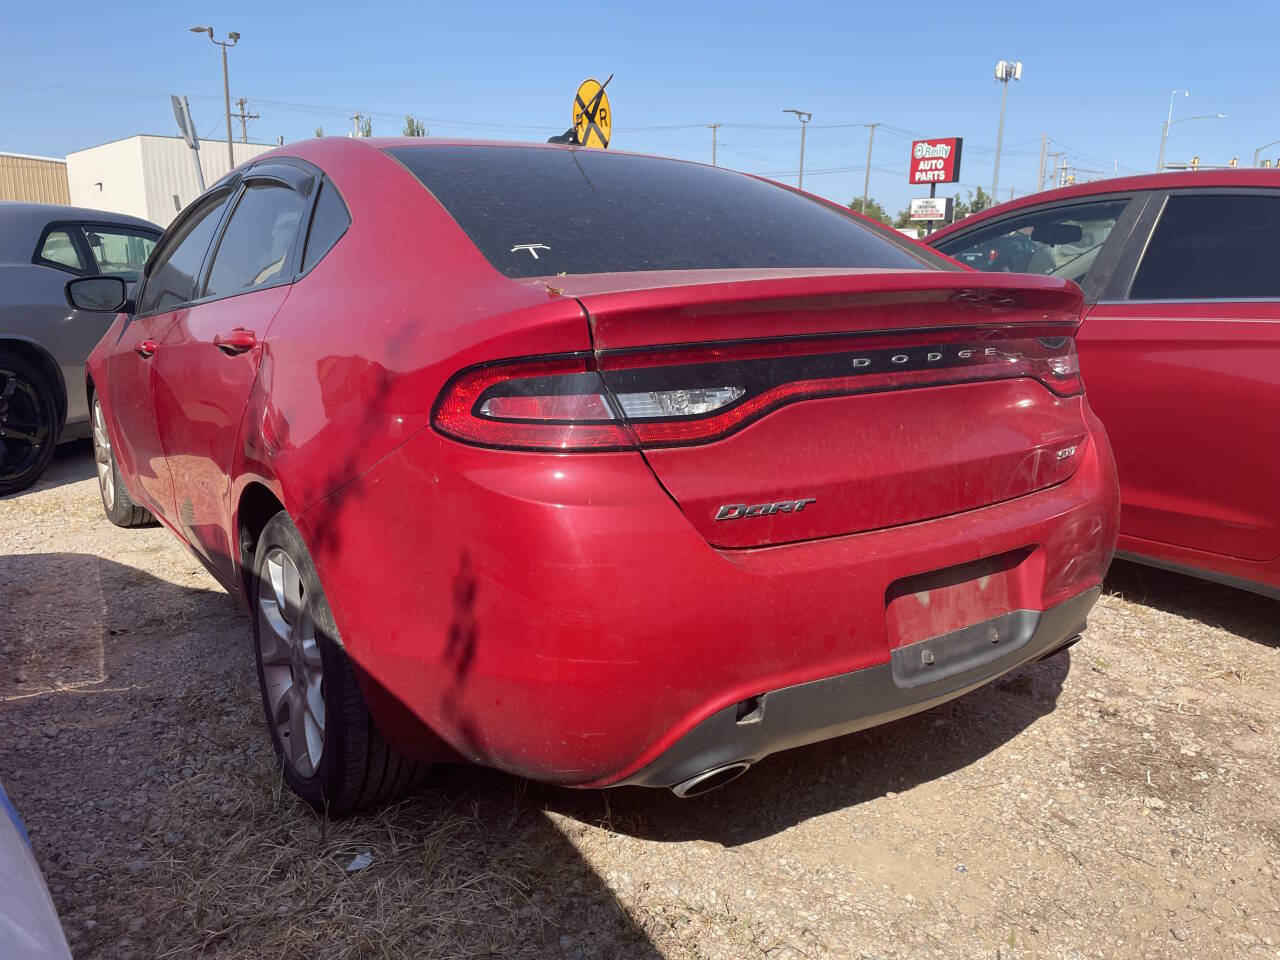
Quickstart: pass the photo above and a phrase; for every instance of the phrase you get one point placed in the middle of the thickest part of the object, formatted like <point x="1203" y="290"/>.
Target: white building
<point x="148" y="176"/>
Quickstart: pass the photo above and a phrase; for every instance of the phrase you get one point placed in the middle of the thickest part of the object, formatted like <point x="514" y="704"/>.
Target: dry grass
<point x="265" y="876"/>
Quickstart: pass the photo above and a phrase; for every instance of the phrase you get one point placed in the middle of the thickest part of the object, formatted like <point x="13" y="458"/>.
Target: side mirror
<point x="1056" y="234"/>
<point x="99" y="294"/>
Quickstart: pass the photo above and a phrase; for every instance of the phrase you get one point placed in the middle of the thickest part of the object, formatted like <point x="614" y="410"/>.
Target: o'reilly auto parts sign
<point x="935" y="161"/>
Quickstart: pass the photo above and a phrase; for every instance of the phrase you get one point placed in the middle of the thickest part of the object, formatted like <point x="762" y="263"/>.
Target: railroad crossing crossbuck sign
<point x="592" y="118"/>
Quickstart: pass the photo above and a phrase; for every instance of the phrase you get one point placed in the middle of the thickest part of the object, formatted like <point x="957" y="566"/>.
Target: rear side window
<point x="172" y="278"/>
<point x="1061" y="241"/>
<point x="328" y="224"/>
<point x="1212" y="247"/>
<point x="59" y="250"/>
<point x="536" y="212"/>
<point x="255" y="248"/>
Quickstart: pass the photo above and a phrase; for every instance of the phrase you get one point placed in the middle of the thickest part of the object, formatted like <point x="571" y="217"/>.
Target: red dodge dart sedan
<point x="594" y="467"/>
<point x="1180" y="351"/>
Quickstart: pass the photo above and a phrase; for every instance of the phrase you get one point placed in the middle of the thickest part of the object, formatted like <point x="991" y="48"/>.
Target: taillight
<point x="542" y="403"/>
<point x="675" y="396"/>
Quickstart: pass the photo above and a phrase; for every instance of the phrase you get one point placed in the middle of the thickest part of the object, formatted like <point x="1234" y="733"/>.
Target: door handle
<point x="238" y="340"/>
<point x="145" y="349"/>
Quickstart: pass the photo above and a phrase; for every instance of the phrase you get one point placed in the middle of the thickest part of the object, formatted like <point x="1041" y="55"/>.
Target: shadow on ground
<point x="72" y="462"/>
<point x="1245" y="614"/>
<point x="797" y="785"/>
<point x="140" y="758"/>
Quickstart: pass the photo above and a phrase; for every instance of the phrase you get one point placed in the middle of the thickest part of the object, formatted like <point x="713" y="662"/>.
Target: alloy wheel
<point x="102" y="456"/>
<point x="292" y="672"/>
<point x="24" y="424"/>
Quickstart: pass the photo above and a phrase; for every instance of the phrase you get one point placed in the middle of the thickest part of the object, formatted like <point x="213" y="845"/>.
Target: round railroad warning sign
<point x="592" y="118"/>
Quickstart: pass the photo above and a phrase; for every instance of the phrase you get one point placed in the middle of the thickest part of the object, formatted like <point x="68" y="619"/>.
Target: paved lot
<point x="1120" y="801"/>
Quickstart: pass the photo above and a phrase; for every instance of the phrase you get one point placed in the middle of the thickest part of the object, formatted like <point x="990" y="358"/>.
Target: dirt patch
<point x="1120" y="801"/>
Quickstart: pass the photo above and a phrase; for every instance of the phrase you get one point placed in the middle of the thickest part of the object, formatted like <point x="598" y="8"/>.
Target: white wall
<point x="168" y="170"/>
<point x="108" y="177"/>
<point x="141" y="175"/>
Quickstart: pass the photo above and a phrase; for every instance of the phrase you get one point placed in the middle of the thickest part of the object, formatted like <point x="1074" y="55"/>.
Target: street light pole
<point x="866" y="180"/>
<point x="1258" y="152"/>
<point x="232" y="39"/>
<point x="1201" y="116"/>
<point x="804" y="117"/>
<point x="1006" y="70"/>
<point x="1168" y="122"/>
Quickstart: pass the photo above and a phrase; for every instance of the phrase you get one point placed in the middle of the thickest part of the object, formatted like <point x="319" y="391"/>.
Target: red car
<point x="1179" y="349"/>
<point x="593" y="467"/>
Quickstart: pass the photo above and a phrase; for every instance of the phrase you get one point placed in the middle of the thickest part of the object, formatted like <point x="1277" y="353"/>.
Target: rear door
<point x="1181" y="358"/>
<point x="167" y="290"/>
<point x="208" y="360"/>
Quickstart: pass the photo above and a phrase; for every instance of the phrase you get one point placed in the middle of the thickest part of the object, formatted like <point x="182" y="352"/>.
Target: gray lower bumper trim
<point x="910" y="682"/>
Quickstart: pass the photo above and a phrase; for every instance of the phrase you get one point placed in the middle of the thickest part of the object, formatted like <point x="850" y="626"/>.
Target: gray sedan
<point x="44" y="343"/>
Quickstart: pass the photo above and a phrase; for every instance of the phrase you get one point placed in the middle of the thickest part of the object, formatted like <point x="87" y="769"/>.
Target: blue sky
<point x="1097" y="77"/>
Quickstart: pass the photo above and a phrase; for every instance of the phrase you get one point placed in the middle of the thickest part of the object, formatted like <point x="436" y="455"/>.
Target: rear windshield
<point x="536" y="212"/>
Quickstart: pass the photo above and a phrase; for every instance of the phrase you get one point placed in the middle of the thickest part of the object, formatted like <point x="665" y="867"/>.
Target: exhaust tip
<point x="711" y="779"/>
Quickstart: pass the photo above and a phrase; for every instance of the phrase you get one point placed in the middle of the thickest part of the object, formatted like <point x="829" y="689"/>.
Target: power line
<point x="334" y="110"/>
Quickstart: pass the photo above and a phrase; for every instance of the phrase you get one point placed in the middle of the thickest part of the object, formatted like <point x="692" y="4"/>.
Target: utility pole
<point x="244" y="131"/>
<point x="355" y="122"/>
<point x="1044" y="145"/>
<point x="804" y="117"/>
<point x="232" y="39"/>
<point x="1006" y="70"/>
<point x="866" y="180"/>
<point x="714" y="127"/>
<point x="1053" y="157"/>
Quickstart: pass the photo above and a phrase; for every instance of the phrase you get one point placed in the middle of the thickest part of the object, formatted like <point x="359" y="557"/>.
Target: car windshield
<point x="537" y="212"/>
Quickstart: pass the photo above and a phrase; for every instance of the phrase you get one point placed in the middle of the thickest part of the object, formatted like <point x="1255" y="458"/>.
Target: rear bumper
<point x="834" y="706"/>
<point x="558" y="617"/>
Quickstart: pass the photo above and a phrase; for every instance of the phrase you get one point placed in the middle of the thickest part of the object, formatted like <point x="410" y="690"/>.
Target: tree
<point x="873" y="210"/>
<point x="366" y="126"/>
<point x="319" y="131"/>
<point x="414" y="128"/>
<point x="975" y="204"/>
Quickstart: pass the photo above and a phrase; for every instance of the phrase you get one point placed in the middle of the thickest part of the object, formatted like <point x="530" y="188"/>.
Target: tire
<point x="325" y="740"/>
<point x="28" y="423"/>
<point x="116" y="502"/>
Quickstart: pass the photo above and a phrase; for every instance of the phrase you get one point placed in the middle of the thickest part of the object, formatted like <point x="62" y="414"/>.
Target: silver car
<point x="29" y="927"/>
<point x="43" y="342"/>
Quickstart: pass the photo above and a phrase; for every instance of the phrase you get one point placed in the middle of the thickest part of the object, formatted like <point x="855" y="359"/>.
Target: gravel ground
<point x="1118" y="801"/>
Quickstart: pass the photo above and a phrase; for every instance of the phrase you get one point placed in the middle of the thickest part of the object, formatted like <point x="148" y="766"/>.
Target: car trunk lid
<point x="777" y="406"/>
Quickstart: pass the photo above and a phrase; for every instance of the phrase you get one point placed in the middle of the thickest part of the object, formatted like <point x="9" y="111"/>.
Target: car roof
<point x="1180" y="180"/>
<point x="21" y="223"/>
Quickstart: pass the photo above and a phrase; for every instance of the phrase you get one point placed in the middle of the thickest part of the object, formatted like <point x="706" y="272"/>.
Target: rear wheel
<point x="116" y="502"/>
<point x="332" y="754"/>
<point x="28" y="423"/>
